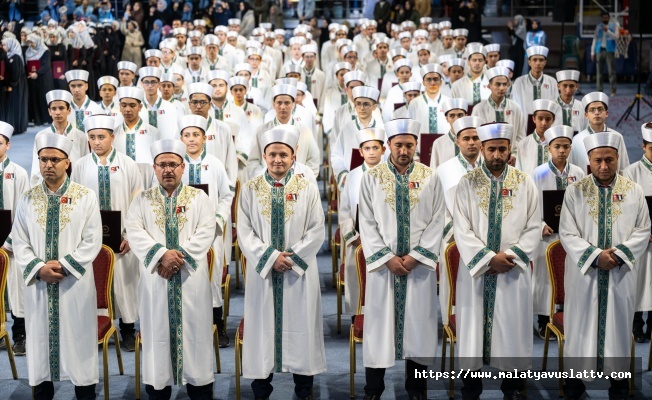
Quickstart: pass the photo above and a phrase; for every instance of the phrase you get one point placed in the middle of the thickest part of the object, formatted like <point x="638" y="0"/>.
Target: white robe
<point x="343" y="147"/>
<point x="79" y="149"/>
<point x="512" y="115"/>
<point x="237" y="120"/>
<point x="531" y="152"/>
<point x="15" y="183"/>
<point x="581" y="223"/>
<point x="125" y="182"/>
<point x="641" y="173"/>
<point x="394" y="96"/>
<point x="330" y="102"/>
<point x="443" y="149"/>
<point x="191" y="76"/>
<point x="580" y="158"/>
<point x="192" y="234"/>
<point x="69" y="352"/>
<point x="577" y="119"/>
<point x="181" y="106"/>
<point x="143" y="137"/>
<point x="386" y="232"/>
<point x="317" y="83"/>
<point x="463" y="88"/>
<point x="164" y="115"/>
<point x="509" y="211"/>
<point x="78" y="114"/>
<point x="222" y="63"/>
<point x="373" y="70"/>
<point x="523" y="92"/>
<point x="420" y="109"/>
<point x="220" y="143"/>
<point x="290" y="219"/>
<point x="545" y="178"/>
<point x="210" y="171"/>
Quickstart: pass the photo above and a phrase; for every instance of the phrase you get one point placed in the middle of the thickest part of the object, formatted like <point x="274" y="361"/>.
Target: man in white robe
<point x="473" y="86"/>
<point x="572" y="112"/>
<point x="427" y="108"/>
<point x="108" y="86"/>
<point x="206" y="169"/>
<point x="641" y="173"/>
<point x="535" y="85"/>
<point x="410" y="91"/>
<point x="127" y="73"/>
<point x="213" y="60"/>
<point x="394" y="96"/>
<point x="194" y="73"/>
<point x="445" y="148"/>
<point x="497" y="230"/>
<point x="135" y="136"/>
<point x="281" y="219"/>
<point x="59" y="108"/>
<point x="81" y="103"/>
<point x="605" y="229"/>
<point x="159" y="113"/>
<point x="14" y="181"/>
<point x="556" y="174"/>
<point x="533" y="150"/>
<point x="56" y="236"/>
<point x="449" y="174"/>
<point x="254" y="114"/>
<point x="115" y="180"/>
<point x="334" y="96"/>
<point x="401" y="222"/>
<point x="498" y="108"/>
<point x="314" y="78"/>
<point x="167" y="93"/>
<point x="307" y="150"/>
<point x="596" y="110"/>
<point x="379" y="66"/>
<point x="170" y="235"/>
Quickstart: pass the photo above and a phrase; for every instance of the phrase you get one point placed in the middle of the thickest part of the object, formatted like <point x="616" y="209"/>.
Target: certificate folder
<point x="356" y="159"/>
<point x="425" y="150"/>
<point x="648" y="199"/>
<point x="5" y="225"/>
<point x="552" y="203"/>
<point x="112" y="229"/>
<point x="202" y="186"/>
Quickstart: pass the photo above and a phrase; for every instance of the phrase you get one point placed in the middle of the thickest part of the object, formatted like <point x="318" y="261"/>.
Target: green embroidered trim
<point x="242" y="154"/>
<point x="9" y="240"/>
<point x="278" y="242"/>
<point x="448" y="227"/>
<point x="30" y="267"/>
<point x="221" y="218"/>
<point x="627" y="252"/>
<point x="5" y="163"/>
<point x="150" y="254"/>
<point x="52" y="253"/>
<point x="191" y="261"/>
<point x="175" y="308"/>
<point x="521" y="254"/>
<point x="131" y="139"/>
<point x="298" y="260"/>
<point x="73" y="263"/>
<point x="263" y="260"/>
<point x="426" y="253"/>
<point x="350" y="235"/>
<point x="476" y="259"/>
<point x="646" y="163"/>
<point x="340" y="175"/>
<point x="452" y="138"/>
<point x="562" y="183"/>
<point x="604" y="241"/>
<point x="377" y="255"/>
<point x="585" y="256"/>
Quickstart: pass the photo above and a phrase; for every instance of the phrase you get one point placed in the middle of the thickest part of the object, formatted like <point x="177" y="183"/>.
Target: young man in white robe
<point x="135" y="136"/>
<point x="219" y="140"/>
<point x="445" y="148"/>
<point x="314" y="78"/>
<point x="127" y="73"/>
<point x="379" y="66"/>
<point x="294" y="51"/>
<point x="426" y="109"/>
<point x="410" y="90"/>
<point x="401" y="223"/>
<point x="556" y="174"/>
<point x="372" y="148"/>
<point x="394" y="95"/>
<point x="60" y="297"/>
<point x="365" y="99"/>
<point x="493" y="54"/>
<point x="533" y="150"/>
<point x="641" y="173"/>
<point x="205" y="169"/>
<point x="454" y="67"/>
<point x="498" y="108"/>
<point x="59" y="108"/>
<point x="115" y="180"/>
<point x="167" y="88"/>
<point x="281" y="219"/>
<point x="307" y="151"/>
<point x="346" y="112"/>
<point x="260" y="78"/>
<point x="15" y="182"/>
<point x="605" y="229"/>
<point x="572" y="112"/>
<point x="213" y="61"/>
<point x="460" y="38"/>
<point x="473" y="87"/>
<point x="194" y="73"/>
<point x="181" y="34"/>
<point x="108" y="86"/>
<point x="497" y="230"/>
<point x="170" y="235"/>
<point x="254" y="94"/>
<point x="535" y="85"/>
<point x="81" y="104"/>
<point x="596" y="110"/>
<point x="449" y="173"/>
<point x="159" y="113"/>
<point x="254" y="114"/>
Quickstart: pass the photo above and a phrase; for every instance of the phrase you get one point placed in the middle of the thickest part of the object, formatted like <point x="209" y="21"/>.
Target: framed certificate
<point x="5" y="225"/>
<point x="202" y="186"/>
<point x="112" y="229"/>
<point x="552" y="203"/>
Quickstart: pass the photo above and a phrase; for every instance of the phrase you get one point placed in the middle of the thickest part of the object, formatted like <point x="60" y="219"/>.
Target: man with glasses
<point x="219" y="139"/>
<point x="347" y="112"/>
<point x="446" y="147"/>
<point x="473" y="87"/>
<point x="596" y="110"/>
<point x="426" y="109"/>
<point x="159" y="113"/>
<point x="135" y="135"/>
<point x="57" y="234"/>
<point x="168" y="56"/>
<point x="115" y="180"/>
<point x="59" y="108"/>
<point x="350" y="55"/>
<point x="170" y="232"/>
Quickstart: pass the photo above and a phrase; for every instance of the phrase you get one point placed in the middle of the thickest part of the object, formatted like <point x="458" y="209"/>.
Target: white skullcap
<point x="559" y="131"/>
<point x="402" y="126"/>
<point x="201" y="88"/>
<point x="476" y="48"/>
<point x="193" y="34"/>
<point x="286" y="134"/>
<point x="445" y="25"/>
<point x="496" y="130"/>
<point x="210" y="40"/>
<point x="546" y="105"/>
<point x="155" y="72"/>
<point x="455" y="103"/>
<point x="366" y="92"/>
<point x="404" y="35"/>
<point x="368" y="134"/>
<point x="297" y="40"/>
<point x="403" y="62"/>
<point x="568" y="75"/>
<point x="77" y="75"/>
<point x="425" y="20"/>
<point x="355" y="76"/>
<point x="153" y="53"/>
<point x="342" y="65"/>
<point x="412" y="86"/>
<point x="163" y="146"/>
<point x="242" y="67"/>
<point x="192" y="120"/>
<point x="194" y="51"/>
<point x="595" y="96"/>
<point x="62" y="95"/>
<point x="537" y="51"/>
<point x="220" y="28"/>
<point x="602" y="139"/>
<point x="99" y="121"/>
<point x="239" y="80"/>
<point x="420" y="33"/>
<point x="422" y="46"/>
<point x="447" y="32"/>
<point x="180" y="31"/>
<point x="107" y="80"/>
<point x="53" y="140"/>
<point x="432" y="68"/>
<point x="286" y="81"/>
<point x="493" y="47"/>
<point x="290" y="68"/>
<point x="131" y="92"/>
<point x="218" y="74"/>
<point x="127" y="65"/>
<point x="233" y="21"/>
<point x="6" y="130"/>
<point x="464" y="123"/>
<point x="497" y="71"/>
<point x="505" y="63"/>
<point x="460" y="32"/>
<point x="285" y="89"/>
<point x="398" y="52"/>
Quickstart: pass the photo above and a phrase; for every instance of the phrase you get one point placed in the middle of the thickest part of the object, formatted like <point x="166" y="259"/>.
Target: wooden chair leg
<point x="560" y="345"/>
<point x="227" y="297"/>
<point x="216" y="347"/>
<point x="546" y="343"/>
<point x="238" y="366"/>
<point x="105" y="364"/>
<point x="10" y="354"/>
<point x="118" y="352"/>
<point x="236" y="254"/>
<point x="137" y="362"/>
<point x="451" y="393"/>
<point x="339" y="306"/>
<point x="352" y="363"/>
<point x="443" y="349"/>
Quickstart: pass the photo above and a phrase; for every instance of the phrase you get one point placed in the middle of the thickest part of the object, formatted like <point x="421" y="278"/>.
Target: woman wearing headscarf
<point x="517" y="30"/>
<point x="155" y="35"/>
<point x="84" y="9"/>
<point x="133" y="42"/>
<point x="24" y="31"/>
<point x="186" y="14"/>
<point x="14" y="89"/>
<point x="59" y="57"/>
<point x="247" y="20"/>
<point x="39" y="79"/>
<point x="81" y="54"/>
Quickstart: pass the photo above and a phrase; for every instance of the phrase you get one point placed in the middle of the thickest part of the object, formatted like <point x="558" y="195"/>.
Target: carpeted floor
<point x="333" y="384"/>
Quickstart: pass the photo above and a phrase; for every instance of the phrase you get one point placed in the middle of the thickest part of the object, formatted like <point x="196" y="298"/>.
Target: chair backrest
<point x="452" y="256"/>
<point x="556" y="261"/>
<point x="4" y="270"/>
<point x="234" y="205"/>
<point x="103" y="273"/>
<point x="243" y="262"/>
<point x="211" y="260"/>
<point x="361" y="268"/>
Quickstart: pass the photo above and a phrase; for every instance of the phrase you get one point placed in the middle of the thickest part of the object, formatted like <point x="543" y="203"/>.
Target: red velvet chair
<point x="449" y="335"/>
<point x="4" y="335"/>
<point x="357" y="327"/>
